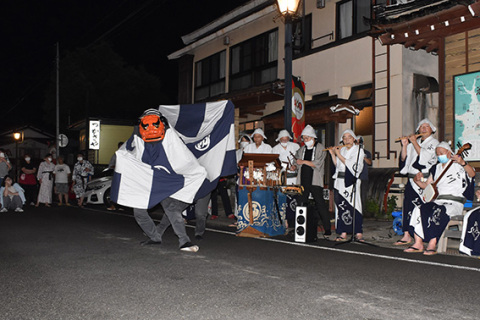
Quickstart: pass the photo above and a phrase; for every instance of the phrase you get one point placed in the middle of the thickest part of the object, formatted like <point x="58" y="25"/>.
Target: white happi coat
<point x="427" y="158"/>
<point x="353" y="166"/>
<point x="263" y="148"/>
<point x="285" y="156"/>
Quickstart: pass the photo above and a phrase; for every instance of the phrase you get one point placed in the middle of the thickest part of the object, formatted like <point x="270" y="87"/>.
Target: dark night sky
<point x="143" y="32"/>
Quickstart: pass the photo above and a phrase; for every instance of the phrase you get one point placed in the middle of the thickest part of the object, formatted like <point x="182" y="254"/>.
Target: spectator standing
<point x="12" y="196"/>
<point x="45" y="178"/>
<point x="5" y="165"/>
<point x="81" y="173"/>
<point x="28" y="180"/>
<point x="62" y="174"/>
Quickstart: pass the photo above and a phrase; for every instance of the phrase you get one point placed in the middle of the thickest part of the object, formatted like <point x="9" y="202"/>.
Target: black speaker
<point x="305" y="225"/>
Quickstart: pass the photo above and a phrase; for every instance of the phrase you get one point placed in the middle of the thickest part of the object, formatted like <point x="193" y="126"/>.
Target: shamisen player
<point x="154" y="166"/>
<point x="417" y="155"/>
<point x="430" y="219"/>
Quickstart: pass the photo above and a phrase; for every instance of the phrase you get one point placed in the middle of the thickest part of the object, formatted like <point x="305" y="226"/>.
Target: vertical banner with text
<point x="94" y="135"/>
<point x="298" y="108"/>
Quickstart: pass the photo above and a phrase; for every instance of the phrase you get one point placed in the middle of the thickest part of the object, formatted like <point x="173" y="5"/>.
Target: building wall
<point x="424" y="63"/>
<point x="336" y="69"/>
<point x="461" y="56"/>
<point x="110" y="136"/>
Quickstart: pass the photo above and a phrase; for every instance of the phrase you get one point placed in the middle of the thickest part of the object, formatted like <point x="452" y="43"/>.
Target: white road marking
<point x="431" y="263"/>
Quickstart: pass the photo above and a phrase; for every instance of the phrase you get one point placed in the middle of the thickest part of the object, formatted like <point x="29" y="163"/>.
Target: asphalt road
<point x="70" y="263"/>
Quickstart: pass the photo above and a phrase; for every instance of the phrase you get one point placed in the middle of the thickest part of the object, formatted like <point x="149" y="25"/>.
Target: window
<point x="254" y="62"/>
<point x="210" y="76"/>
<point x="302" y="39"/>
<point x="350" y="17"/>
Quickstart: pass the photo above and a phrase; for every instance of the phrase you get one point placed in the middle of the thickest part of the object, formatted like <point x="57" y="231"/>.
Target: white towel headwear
<point x="445" y="145"/>
<point x="350" y="132"/>
<point x="434" y="129"/>
<point x="246" y="136"/>
<point x="283" y="133"/>
<point x="260" y="132"/>
<point x="309" y="131"/>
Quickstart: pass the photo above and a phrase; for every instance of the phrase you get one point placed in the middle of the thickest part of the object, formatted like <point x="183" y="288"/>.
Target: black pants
<point x="317" y="193"/>
<point x="222" y="191"/>
<point x="30" y="193"/>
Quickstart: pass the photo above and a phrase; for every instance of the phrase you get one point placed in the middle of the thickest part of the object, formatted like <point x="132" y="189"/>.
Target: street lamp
<point x="288" y="9"/>
<point x="17" y="136"/>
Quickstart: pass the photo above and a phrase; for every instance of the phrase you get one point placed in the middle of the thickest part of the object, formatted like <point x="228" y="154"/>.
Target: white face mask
<point x="2" y="155"/>
<point x="27" y="159"/>
<point x="243" y="144"/>
<point x="80" y="158"/>
<point x="49" y="159"/>
<point x="309" y="143"/>
<point x="284" y="144"/>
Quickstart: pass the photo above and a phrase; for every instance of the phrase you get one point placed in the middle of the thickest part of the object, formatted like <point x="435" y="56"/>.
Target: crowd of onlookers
<point x="38" y="185"/>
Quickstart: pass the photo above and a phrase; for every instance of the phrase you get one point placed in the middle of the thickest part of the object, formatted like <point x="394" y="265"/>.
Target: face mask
<point x="79" y="158"/>
<point x="309" y="143"/>
<point x="2" y="155"/>
<point x="284" y="144"/>
<point x="442" y="158"/>
<point x="27" y="159"/>
<point x="49" y="159"/>
<point x="243" y="144"/>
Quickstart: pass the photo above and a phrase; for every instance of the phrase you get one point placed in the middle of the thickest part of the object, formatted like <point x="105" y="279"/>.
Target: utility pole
<point x="57" y="133"/>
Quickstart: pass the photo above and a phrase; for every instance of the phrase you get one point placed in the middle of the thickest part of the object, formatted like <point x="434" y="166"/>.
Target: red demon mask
<point x="151" y="128"/>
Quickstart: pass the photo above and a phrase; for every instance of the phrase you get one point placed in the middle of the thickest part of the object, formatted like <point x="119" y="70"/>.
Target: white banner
<point x="94" y="135"/>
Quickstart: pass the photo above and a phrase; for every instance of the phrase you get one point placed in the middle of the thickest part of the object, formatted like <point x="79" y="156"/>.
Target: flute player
<point x="417" y="155"/>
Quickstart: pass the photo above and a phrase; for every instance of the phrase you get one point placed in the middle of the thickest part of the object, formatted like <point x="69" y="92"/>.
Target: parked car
<point x="98" y="190"/>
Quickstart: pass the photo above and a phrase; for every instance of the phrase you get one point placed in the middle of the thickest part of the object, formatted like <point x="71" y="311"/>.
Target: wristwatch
<point x="463" y="165"/>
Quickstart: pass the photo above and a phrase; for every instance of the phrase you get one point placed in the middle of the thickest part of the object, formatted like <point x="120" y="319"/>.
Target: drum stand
<point x="354" y="239"/>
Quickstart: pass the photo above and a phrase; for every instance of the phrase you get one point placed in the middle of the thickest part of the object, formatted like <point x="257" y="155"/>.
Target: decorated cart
<point x="261" y="203"/>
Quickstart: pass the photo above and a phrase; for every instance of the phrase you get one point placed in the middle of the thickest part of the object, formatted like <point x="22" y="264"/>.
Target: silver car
<point x="98" y="190"/>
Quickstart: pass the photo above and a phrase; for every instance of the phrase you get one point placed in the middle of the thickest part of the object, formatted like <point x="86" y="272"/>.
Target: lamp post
<point x="288" y="9"/>
<point x="17" y="136"/>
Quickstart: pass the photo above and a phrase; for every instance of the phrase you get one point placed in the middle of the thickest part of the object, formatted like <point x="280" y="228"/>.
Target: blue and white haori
<point x="345" y="197"/>
<point x="470" y="242"/>
<point x="430" y="219"/>
<point x="198" y="149"/>
<point x="413" y="164"/>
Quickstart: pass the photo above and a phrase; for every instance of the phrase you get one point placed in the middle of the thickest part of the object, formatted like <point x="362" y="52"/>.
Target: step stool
<point x="452" y="231"/>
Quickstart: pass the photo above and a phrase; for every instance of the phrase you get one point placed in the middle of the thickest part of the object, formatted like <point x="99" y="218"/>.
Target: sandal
<point x="429" y="252"/>
<point x="341" y="239"/>
<point x="412" y="249"/>
<point x="402" y="243"/>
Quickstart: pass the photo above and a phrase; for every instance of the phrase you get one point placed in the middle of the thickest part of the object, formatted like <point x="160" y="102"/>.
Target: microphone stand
<point x="354" y="239"/>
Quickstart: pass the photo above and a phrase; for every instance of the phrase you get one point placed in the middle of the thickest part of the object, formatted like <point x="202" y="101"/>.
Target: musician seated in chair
<point x="453" y="179"/>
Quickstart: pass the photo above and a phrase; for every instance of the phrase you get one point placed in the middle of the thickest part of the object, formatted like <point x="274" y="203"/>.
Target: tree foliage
<point x="96" y="82"/>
